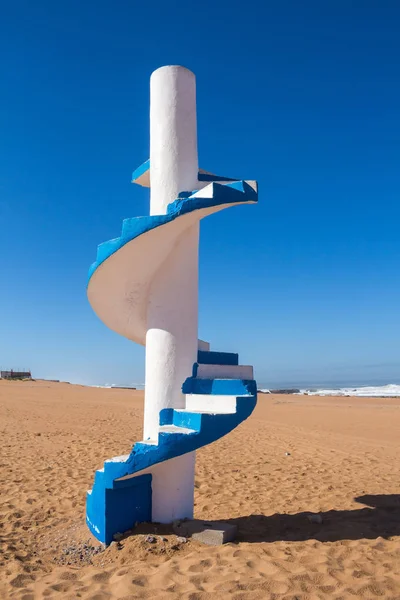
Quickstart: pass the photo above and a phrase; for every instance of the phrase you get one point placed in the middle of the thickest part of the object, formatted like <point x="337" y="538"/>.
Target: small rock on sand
<point x="150" y="539"/>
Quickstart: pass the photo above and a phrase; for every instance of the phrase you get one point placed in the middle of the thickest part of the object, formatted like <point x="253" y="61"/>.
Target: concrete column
<point x="173" y="136"/>
<point x="172" y="317"/>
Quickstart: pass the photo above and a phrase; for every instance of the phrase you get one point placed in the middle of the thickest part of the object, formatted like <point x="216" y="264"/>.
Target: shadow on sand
<point x="383" y="520"/>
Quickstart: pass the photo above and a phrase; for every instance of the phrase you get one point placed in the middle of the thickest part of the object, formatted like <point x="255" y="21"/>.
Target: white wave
<point x="379" y="391"/>
<point x="133" y="386"/>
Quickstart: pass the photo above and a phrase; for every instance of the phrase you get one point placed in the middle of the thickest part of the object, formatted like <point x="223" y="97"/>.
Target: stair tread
<point x="201" y="412"/>
<point x="217" y="364"/>
<point x="175" y="429"/>
<point x="117" y="459"/>
<point x="148" y="442"/>
<point x="217" y="358"/>
<point x="222" y="378"/>
<point x="233" y="367"/>
<point x="217" y="395"/>
<point x="219" y="378"/>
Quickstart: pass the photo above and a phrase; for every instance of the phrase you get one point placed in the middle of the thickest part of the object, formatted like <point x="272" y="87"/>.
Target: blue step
<point x="237" y="192"/>
<point x="229" y="387"/>
<point x="217" y="358"/>
<point x="109" y="511"/>
<point x="115" y="504"/>
<point x="189" y="420"/>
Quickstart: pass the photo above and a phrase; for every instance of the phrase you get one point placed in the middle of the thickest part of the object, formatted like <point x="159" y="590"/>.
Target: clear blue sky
<point x="303" y="96"/>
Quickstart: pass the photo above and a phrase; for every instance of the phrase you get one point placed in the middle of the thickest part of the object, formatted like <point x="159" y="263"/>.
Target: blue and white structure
<point x="144" y="286"/>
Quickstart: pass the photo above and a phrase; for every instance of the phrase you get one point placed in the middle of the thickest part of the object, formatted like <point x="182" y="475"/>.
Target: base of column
<point x="173" y="489"/>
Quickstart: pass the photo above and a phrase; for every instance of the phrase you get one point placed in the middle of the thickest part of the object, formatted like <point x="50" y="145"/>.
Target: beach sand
<point x="296" y="455"/>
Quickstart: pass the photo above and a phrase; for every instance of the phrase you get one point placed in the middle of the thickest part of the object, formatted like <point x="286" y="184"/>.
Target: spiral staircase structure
<point x="218" y="393"/>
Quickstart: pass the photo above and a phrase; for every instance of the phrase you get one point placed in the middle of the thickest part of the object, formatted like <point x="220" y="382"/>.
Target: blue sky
<point x="304" y="97"/>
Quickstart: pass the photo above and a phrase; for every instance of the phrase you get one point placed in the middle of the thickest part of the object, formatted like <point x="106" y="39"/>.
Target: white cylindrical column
<point x="172" y="326"/>
<point x="173" y="489"/>
<point x="172" y="315"/>
<point x="173" y="136"/>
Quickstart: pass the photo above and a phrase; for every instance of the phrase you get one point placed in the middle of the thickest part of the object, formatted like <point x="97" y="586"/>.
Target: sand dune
<point x="297" y="455"/>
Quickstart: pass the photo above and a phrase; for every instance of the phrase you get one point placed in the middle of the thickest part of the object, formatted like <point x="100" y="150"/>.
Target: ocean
<point x="389" y="390"/>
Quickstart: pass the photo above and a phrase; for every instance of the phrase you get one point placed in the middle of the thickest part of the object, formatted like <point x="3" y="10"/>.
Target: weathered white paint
<point x="172" y="313"/>
<point x="223" y="404"/>
<point x="225" y="372"/>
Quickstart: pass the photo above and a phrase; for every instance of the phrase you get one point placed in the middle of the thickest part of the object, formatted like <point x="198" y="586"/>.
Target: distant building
<point x="15" y="374"/>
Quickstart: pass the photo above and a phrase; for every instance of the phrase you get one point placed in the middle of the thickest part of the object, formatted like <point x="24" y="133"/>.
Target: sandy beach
<point x="296" y="456"/>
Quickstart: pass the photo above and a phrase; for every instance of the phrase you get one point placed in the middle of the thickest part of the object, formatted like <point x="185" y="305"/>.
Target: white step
<point x="202" y="345"/>
<point x="116" y="459"/>
<point x="211" y="403"/>
<point x="224" y="372"/>
<point x="174" y="429"/>
<point x="201" y="412"/>
<point x="206" y="192"/>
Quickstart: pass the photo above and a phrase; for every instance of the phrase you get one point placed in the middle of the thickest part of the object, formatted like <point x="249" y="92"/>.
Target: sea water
<point x="388" y="391"/>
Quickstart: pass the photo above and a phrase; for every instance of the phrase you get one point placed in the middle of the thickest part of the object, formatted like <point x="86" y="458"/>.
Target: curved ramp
<point x="219" y="395"/>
